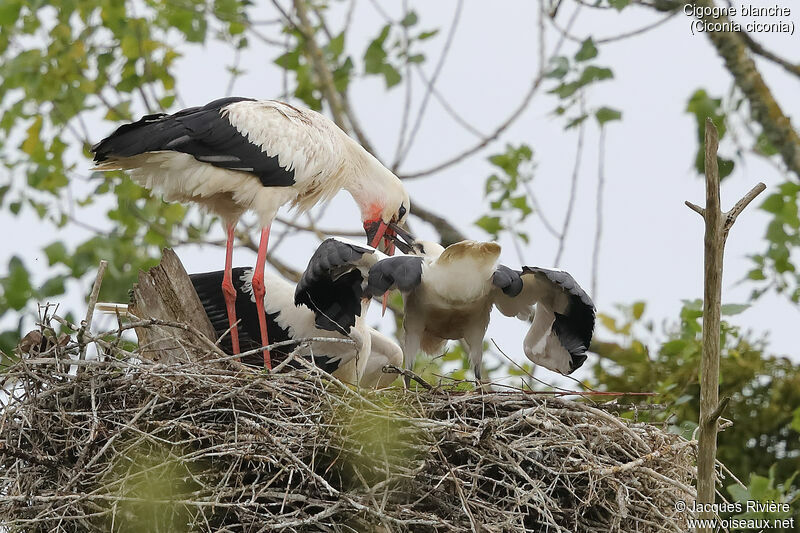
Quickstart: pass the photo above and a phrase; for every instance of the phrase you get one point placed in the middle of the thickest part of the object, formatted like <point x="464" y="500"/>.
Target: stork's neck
<point x="368" y="181"/>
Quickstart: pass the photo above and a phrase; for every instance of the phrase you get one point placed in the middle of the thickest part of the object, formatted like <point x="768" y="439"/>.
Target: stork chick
<point x="449" y="294"/>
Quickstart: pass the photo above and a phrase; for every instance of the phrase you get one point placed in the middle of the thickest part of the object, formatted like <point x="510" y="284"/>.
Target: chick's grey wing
<point x="401" y="272"/>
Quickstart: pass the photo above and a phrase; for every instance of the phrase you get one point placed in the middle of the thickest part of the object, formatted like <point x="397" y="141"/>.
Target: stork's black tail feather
<point x="208" y="286"/>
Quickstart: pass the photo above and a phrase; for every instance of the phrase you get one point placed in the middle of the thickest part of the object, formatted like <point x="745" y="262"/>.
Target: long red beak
<point x="379" y="227"/>
<point x="382" y="231"/>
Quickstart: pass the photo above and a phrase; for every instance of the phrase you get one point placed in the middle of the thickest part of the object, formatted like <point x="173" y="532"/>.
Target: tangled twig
<point x="201" y="446"/>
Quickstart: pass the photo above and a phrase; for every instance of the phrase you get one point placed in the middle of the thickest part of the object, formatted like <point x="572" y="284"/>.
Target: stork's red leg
<point x="259" y="290"/>
<point x="228" y="291"/>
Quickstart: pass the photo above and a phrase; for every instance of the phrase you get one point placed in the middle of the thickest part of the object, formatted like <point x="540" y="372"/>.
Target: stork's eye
<point x="401" y="212"/>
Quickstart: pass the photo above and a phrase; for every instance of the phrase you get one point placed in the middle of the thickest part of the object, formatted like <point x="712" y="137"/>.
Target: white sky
<point x="652" y="244"/>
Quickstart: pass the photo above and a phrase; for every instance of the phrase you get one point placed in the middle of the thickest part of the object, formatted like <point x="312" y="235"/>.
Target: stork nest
<point x="139" y="446"/>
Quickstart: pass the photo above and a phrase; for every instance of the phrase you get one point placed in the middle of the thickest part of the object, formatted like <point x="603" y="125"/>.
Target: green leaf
<point x="575" y="122"/>
<point x="54" y="286"/>
<point x="32" y="141"/>
<point x="593" y="73"/>
<point x="427" y="35"/>
<point x="17" y="284"/>
<point x="491" y="225"/>
<point x="9" y="12"/>
<point x="521" y="203"/>
<point x="764" y="147"/>
<point x="559" y="66"/>
<point x="56" y="253"/>
<point x="409" y="20"/>
<point x="796" y="420"/>
<point x="773" y="203"/>
<point x="375" y="55"/>
<point x="619" y="5"/>
<point x="588" y="51"/>
<point x="733" y="309"/>
<point x="336" y="45"/>
<point x="391" y="75"/>
<point x="638" y="310"/>
<point x="607" y="114"/>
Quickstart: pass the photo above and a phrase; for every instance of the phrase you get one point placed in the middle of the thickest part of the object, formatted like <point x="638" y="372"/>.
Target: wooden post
<point x="718" y="224"/>
<point x="165" y="292"/>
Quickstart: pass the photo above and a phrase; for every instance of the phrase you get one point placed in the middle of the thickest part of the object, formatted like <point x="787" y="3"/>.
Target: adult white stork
<point x="238" y="154"/>
<point x="361" y="364"/>
<point x="449" y="294"/>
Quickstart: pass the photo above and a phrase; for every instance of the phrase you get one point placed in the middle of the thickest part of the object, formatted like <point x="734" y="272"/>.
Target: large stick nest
<point x="141" y="446"/>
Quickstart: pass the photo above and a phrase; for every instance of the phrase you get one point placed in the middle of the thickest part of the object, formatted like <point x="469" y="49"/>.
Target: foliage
<point x="109" y="58"/>
<point x="766" y="490"/>
<point x="509" y="207"/>
<point x="574" y="77"/>
<point x="703" y="107"/>
<point x="774" y="268"/>
<point x="764" y="389"/>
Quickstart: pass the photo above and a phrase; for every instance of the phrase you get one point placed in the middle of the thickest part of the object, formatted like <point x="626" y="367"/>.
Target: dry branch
<point x="717" y="226"/>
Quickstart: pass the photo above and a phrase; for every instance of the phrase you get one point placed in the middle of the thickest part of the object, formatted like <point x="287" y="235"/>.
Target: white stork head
<point x="381" y="197"/>
<point x="383" y="219"/>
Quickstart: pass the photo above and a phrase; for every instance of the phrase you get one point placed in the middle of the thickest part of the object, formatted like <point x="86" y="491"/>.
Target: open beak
<point x="401" y="238"/>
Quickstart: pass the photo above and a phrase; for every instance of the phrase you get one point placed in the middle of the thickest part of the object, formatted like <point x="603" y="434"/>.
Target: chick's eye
<point x="401" y="212"/>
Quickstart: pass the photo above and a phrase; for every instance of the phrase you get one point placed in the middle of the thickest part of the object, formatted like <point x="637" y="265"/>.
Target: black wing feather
<point x="331" y="285"/>
<point x="202" y="132"/>
<point x="576" y="323"/>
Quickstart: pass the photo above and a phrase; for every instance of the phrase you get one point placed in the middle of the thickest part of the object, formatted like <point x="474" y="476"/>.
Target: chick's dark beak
<point x="402" y="238"/>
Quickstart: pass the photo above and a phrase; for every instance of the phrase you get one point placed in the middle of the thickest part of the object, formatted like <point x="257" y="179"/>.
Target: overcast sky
<point x="652" y="244"/>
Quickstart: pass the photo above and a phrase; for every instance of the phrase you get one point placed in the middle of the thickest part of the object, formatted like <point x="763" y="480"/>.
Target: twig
<point x="86" y="325"/>
<point x="391" y="369"/>
<point x="598" y="232"/>
<point x="573" y="190"/>
<point x="430" y="84"/>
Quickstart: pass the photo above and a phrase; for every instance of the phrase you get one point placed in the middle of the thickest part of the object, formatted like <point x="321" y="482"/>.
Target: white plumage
<point x="237" y="154"/>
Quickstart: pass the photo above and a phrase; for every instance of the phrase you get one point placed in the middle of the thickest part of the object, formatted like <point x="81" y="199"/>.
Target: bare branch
<point x="696" y="208"/>
<point x="757" y="48"/>
<point x="713" y="417"/>
<point x="86" y="325"/>
<point x="730" y="216"/>
<point x="407" y="98"/>
<point x="572" y="192"/>
<point x="598" y="233"/>
<point x="511" y="119"/>
<point x="765" y="109"/>
<point x="447" y="232"/>
<point x="403" y="152"/>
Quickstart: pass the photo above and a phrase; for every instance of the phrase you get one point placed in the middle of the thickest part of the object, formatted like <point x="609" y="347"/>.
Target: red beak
<point x="381" y="231"/>
<point x="375" y="229"/>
